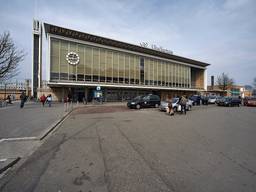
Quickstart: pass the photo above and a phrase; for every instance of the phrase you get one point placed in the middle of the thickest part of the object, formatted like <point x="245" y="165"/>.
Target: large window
<point x="110" y="66"/>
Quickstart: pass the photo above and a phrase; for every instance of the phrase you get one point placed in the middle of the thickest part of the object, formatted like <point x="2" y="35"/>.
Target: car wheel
<point x="175" y="109"/>
<point x="156" y="105"/>
<point x="229" y="105"/>
<point x="137" y="106"/>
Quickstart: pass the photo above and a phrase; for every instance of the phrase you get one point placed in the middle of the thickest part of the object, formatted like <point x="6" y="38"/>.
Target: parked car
<point x="212" y="99"/>
<point x="229" y="101"/>
<point x="149" y="100"/>
<point x="196" y="99"/>
<point x="164" y="105"/>
<point x="175" y="104"/>
<point x="218" y="99"/>
<point x="251" y="102"/>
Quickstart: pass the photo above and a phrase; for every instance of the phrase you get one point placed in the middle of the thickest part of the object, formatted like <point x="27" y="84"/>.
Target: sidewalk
<point x="22" y="129"/>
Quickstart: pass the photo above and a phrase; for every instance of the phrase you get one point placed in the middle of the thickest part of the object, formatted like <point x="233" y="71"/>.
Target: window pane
<point x="80" y="65"/>
<point x="121" y="68"/>
<point x="88" y="63"/>
<point x="102" y="65"/>
<point x="126" y="72"/>
<point x="115" y="67"/>
<point x="63" y="62"/>
<point x="109" y="66"/>
<point x="96" y="64"/>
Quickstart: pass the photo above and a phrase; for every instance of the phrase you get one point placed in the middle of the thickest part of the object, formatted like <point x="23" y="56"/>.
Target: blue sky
<point x="219" y="32"/>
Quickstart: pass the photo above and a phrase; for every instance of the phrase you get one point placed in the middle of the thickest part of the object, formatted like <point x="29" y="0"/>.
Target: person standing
<point x="43" y="99"/>
<point x="170" y="109"/>
<point x="22" y="99"/>
<point x="183" y="103"/>
<point x="49" y="100"/>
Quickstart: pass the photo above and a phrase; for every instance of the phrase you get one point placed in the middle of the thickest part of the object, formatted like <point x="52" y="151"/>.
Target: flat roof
<point x="53" y="29"/>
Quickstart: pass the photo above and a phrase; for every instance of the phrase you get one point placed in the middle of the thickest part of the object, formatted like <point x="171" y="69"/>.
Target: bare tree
<point x="10" y="57"/>
<point x="224" y="82"/>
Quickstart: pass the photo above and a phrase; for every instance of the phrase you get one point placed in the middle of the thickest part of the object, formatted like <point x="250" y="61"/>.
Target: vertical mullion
<point x="84" y="61"/>
<point x="92" y="66"/>
<point x="76" y="65"/>
<point x="99" y="72"/>
<point x="67" y="62"/>
<point x="129" y="70"/>
<point x="59" y="58"/>
<point x="118" y="67"/>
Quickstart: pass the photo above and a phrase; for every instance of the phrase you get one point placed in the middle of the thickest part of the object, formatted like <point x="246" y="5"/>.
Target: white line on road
<point x="18" y="139"/>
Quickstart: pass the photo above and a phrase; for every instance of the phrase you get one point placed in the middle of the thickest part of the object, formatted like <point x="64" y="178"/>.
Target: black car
<point x="229" y="101"/>
<point x="205" y="100"/>
<point x="144" y="101"/>
<point x="196" y="99"/>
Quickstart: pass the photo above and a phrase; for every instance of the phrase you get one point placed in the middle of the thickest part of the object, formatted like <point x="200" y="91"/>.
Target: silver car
<point x="212" y="99"/>
<point x="164" y="105"/>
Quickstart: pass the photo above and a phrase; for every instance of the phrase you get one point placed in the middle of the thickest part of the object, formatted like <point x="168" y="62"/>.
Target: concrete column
<point x="86" y="94"/>
<point x="205" y="80"/>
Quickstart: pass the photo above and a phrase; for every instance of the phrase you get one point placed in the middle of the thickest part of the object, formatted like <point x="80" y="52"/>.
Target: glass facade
<point x="108" y="66"/>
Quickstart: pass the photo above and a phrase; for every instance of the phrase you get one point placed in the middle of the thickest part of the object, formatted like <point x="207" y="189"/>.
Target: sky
<point x="219" y="32"/>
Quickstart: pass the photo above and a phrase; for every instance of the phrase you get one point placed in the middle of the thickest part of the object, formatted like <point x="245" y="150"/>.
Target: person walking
<point x="22" y="99"/>
<point x="9" y="100"/>
<point x="43" y="99"/>
<point x="49" y="100"/>
<point x="183" y="103"/>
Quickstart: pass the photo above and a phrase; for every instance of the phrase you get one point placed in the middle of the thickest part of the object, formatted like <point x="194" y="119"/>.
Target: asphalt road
<point x="210" y="149"/>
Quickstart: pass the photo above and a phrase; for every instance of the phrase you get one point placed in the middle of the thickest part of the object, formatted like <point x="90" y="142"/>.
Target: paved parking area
<point x="209" y="149"/>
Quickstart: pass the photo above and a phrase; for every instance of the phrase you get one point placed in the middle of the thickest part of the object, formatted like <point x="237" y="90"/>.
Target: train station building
<point x="79" y="63"/>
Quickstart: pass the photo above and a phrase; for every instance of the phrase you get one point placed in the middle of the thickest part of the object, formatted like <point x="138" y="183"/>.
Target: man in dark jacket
<point x="22" y="99"/>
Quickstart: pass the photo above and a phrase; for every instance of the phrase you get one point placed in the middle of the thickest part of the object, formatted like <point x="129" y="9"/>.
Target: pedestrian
<point x="9" y="100"/>
<point x="43" y="99"/>
<point x="170" y="109"/>
<point x="22" y="99"/>
<point x="183" y="103"/>
<point x="49" y="100"/>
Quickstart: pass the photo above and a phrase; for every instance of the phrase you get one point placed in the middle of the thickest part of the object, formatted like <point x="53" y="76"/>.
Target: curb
<point x="10" y="165"/>
<point x="40" y="138"/>
<point x="55" y="124"/>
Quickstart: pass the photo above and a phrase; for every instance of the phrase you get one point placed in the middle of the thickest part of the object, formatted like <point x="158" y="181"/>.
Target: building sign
<point x="155" y="47"/>
<point x="72" y="58"/>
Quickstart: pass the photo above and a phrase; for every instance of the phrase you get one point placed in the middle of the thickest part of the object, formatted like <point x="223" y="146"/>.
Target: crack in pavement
<point x="163" y="179"/>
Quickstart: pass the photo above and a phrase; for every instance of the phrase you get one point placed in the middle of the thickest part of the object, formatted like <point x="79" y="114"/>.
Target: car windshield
<point x="174" y="100"/>
<point x="212" y="97"/>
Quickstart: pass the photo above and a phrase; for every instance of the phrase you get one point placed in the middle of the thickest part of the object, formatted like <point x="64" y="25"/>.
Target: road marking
<point x="18" y="139"/>
<point x="3" y="160"/>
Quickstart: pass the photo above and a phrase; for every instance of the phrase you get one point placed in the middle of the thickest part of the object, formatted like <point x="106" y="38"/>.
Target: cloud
<point x="220" y="32"/>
